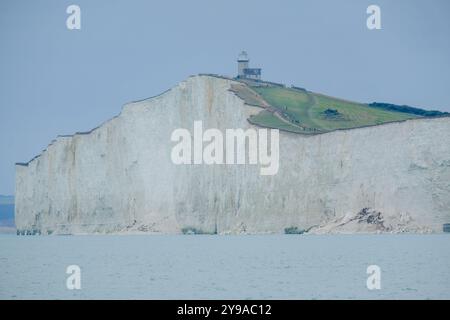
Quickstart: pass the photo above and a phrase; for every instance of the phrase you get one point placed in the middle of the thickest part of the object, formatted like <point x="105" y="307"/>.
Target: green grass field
<point x="267" y="119"/>
<point x="306" y="112"/>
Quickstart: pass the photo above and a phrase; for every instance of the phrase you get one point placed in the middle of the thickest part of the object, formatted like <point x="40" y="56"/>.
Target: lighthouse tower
<point x="244" y="72"/>
<point x="242" y="64"/>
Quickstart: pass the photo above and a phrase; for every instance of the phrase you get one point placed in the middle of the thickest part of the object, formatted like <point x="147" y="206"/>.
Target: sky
<point x="56" y="81"/>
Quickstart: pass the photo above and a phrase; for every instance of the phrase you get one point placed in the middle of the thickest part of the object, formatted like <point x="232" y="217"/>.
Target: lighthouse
<point x="244" y="72"/>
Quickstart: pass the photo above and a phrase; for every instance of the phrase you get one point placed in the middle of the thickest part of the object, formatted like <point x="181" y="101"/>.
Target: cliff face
<point x="120" y="177"/>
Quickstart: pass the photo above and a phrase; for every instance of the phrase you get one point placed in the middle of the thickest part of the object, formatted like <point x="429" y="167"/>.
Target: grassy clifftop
<point x="298" y="110"/>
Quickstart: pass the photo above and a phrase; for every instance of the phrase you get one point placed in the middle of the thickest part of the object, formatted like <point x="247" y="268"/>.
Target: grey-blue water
<point x="225" y="267"/>
<point x="6" y="215"/>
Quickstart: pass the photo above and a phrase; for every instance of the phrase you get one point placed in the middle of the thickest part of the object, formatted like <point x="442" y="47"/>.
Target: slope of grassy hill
<point x="298" y="110"/>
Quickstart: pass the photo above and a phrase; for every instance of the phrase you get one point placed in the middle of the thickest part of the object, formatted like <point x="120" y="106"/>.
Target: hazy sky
<point x="56" y="81"/>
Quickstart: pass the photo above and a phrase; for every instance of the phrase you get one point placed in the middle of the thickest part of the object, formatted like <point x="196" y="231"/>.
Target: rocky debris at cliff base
<point x="368" y="220"/>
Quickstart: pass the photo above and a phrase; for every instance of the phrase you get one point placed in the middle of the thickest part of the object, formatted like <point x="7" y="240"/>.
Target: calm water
<point x="223" y="267"/>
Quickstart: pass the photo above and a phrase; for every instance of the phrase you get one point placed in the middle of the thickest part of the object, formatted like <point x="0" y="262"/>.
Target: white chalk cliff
<point x="120" y="178"/>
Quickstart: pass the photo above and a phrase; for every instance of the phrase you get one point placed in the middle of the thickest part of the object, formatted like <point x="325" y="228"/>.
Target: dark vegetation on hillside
<point x="332" y="114"/>
<point x="407" y="109"/>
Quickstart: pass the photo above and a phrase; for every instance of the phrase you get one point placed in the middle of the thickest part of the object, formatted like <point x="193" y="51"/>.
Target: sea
<point x="225" y="267"/>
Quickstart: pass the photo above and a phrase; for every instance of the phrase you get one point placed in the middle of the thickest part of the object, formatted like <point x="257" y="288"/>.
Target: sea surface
<point x="225" y="267"/>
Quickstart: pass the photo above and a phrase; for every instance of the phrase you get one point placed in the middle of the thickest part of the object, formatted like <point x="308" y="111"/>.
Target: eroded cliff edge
<point x="120" y="178"/>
